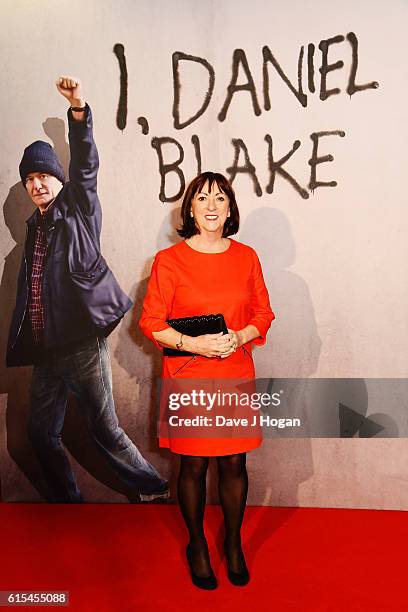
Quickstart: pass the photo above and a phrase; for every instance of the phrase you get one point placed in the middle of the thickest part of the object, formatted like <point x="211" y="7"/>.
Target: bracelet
<point x="180" y="343"/>
<point x="77" y="109"/>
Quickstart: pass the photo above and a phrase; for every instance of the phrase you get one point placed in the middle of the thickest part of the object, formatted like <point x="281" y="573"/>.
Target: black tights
<point x="233" y="489"/>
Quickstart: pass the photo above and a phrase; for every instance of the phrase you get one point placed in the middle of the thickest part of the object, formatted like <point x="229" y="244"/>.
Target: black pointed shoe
<point x="237" y="578"/>
<point x="209" y="583"/>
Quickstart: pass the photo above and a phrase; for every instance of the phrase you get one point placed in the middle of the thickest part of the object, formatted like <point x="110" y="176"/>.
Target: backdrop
<point x="302" y="105"/>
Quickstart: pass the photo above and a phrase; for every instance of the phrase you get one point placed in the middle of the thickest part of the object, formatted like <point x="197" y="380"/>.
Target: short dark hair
<point x="189" y="228"/>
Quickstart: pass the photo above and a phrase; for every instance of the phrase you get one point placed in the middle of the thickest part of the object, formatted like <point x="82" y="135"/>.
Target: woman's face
<point x="210" y="209"/>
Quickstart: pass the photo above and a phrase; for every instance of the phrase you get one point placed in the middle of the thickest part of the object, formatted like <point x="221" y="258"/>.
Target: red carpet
<point x="129" y="557"/>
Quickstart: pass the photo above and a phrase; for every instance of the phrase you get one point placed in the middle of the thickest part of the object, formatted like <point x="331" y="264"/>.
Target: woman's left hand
<point x="234" y="343"/>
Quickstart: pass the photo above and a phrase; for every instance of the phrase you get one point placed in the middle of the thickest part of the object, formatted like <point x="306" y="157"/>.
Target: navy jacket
<point x="81" y="296"/>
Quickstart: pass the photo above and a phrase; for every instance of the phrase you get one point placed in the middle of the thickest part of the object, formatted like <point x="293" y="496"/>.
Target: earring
<point x="191" y="213"/>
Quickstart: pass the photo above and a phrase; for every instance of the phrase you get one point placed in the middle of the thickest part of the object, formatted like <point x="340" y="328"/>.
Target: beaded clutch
<point x="195" y="326"/>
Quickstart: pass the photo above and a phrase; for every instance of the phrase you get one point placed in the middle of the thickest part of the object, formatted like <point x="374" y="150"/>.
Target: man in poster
<point x="68" y="301"/>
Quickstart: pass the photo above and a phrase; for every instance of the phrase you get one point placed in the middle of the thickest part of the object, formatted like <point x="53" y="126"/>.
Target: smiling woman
<point x="209" y="211"/>
<point x="204" y="274"/>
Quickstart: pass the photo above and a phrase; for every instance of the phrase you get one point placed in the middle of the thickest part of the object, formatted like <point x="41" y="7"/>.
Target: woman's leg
<point x="191" y="490"/>
<point x="233" y="489"/>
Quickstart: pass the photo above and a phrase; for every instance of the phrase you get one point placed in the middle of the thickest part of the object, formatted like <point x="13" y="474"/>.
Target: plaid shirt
<point x="35" y="304"/>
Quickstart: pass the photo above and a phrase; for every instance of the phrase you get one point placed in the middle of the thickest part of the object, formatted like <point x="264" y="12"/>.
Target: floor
<point x="131" y="557"/>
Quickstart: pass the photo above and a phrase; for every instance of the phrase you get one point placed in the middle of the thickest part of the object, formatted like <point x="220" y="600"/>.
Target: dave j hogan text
<point x="222" y="421"/>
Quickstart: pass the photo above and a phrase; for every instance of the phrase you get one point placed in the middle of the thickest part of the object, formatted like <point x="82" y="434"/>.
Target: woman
<point x="209" y="273"/>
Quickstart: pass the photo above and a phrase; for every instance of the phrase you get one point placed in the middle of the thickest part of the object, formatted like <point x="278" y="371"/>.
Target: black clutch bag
<point x="195" y="326"/>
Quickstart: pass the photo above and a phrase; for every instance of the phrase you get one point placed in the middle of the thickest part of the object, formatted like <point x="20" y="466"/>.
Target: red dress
<point x="185" y="282"/>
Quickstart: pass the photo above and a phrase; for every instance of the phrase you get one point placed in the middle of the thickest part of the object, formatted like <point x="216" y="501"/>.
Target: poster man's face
<point x="210" y="208"/>
<point x="42" y="188"/>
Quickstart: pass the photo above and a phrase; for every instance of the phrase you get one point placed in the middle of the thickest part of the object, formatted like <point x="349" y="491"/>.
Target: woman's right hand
<point x="207" y="345"/>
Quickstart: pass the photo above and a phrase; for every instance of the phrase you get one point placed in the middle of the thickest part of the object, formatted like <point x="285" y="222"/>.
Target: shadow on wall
<point x="293" y="346"/>
<point x="15" y="382"/>
<point x="292" y="350"/>
<point x="141" y="359"/>
<point x="55" y="129"/>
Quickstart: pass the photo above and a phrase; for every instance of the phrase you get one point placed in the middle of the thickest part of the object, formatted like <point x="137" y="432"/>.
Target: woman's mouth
<point x="211" y="217"/>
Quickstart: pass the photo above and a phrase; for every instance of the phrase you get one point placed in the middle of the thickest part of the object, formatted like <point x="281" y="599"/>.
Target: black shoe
<point x="238" y="578"/>
<point x="208" y="583"/>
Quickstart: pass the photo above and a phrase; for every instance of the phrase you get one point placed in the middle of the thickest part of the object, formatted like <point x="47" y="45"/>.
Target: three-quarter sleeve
<point x="158" y="299"/>
<point x="261" y="312"/>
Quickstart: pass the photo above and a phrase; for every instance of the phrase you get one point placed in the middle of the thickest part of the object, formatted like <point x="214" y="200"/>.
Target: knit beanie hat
<point x="40" y="156"/>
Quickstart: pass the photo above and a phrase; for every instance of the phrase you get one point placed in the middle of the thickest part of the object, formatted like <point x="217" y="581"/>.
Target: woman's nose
<point x="211" y="205"/>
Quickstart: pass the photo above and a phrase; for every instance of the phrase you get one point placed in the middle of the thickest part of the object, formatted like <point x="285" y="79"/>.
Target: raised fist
<point x="70" y="87"/>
